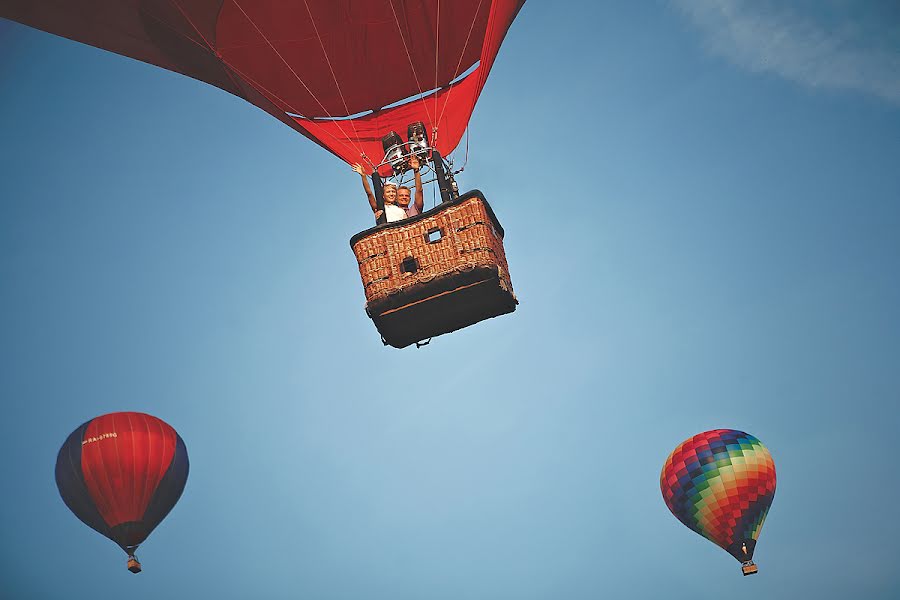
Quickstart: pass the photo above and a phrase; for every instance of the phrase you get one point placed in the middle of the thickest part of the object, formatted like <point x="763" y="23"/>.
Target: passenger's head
<point x="390" y="193"/>
<point x="403" y="196"/>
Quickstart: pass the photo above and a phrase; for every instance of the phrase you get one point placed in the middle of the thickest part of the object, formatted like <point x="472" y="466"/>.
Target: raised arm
<point x="358" y="168"/>
<point x="419" y="200"/>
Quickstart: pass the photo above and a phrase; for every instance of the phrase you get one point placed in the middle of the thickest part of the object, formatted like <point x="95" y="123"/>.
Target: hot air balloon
<point x="121" y="474"/>
<point x="721" y="483"/>
<point x="351" y="76"/>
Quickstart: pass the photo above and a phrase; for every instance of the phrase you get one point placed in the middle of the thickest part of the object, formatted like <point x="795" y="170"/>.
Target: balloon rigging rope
<point x="248" y="79"/>
<point x="334" y="77"/>
<point x="412" y="66"/>
<point x="466" y="157"/>
<point x="459" y="63"/>
<point x="174" y="31"/>
<point x="482" y="73"/>
<point x="261" y="88"/>
<point x="437" y="50"/>
<point x="208" y="45"/>
<point x="294" y="73"/>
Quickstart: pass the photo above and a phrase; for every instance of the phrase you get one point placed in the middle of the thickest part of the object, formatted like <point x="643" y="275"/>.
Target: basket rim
<point x="429" y="213"/>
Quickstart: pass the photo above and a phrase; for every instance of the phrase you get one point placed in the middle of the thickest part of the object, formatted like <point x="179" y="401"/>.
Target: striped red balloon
<point x="121" y="474"/>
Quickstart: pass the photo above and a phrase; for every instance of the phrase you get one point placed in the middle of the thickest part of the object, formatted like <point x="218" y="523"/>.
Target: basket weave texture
<point x="468" y="240"/>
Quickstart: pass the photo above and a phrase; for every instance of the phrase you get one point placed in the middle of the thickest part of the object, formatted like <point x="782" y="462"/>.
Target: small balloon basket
<point x="749" y="568"/>
<point x="436" y="272"/>
<point x="133" y="565"/>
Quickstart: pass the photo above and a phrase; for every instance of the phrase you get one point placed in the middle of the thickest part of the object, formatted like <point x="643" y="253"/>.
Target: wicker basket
<point x="435" y="273"/>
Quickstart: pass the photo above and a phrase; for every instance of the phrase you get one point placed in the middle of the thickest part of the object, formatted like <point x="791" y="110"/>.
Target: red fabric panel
<point x="123" y="457"/>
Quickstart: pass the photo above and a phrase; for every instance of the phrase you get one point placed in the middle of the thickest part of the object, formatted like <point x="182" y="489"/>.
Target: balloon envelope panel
<point x="721" y="483"/>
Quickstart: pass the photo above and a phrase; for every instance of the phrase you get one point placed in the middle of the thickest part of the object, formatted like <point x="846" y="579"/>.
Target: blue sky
<point x="702" y="206"/>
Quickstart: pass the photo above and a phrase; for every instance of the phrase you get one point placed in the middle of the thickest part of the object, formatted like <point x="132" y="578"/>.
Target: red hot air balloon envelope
<point x="121" y="474"/>
<point x="341" y="73"/>
<point x="352" y="76"/>
<point x="721" y="483"/>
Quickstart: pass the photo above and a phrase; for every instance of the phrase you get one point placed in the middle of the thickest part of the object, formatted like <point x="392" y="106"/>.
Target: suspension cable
<point x="247" y="78"/>
<point x="466" y="158"/>
<point x="437" y="50"/>
<point x="459" y="63"/>
<point x="262" y="88"/>
<point x="412" y="66"/>
<point x="333" y="76"/>
<point x="294" y="73"/>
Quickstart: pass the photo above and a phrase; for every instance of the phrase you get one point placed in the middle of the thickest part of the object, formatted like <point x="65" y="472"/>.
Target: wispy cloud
<point x="854" y="51"/>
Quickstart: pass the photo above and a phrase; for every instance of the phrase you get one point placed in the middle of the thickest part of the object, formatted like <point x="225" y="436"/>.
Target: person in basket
<point x="397" y="205"/>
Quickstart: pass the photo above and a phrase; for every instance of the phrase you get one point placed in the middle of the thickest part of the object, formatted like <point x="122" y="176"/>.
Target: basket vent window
<point x="434" y="235"/>
<point x="409" y="265"/>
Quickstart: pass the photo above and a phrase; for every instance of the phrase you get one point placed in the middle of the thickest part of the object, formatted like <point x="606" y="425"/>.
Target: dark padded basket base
<point x="443" y="305"/>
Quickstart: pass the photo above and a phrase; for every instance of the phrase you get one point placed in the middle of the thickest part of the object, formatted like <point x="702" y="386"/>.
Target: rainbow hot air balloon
<point x="121" y="474"/>
<point x="721" y="483"/>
